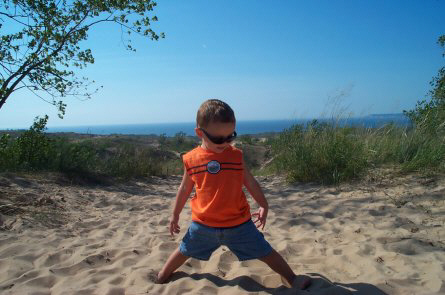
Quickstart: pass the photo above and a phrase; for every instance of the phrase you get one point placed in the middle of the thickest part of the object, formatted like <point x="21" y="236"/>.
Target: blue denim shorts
<point x="244" y="240"/>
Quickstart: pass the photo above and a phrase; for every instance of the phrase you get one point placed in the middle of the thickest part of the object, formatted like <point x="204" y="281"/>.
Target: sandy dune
<point x="380" y="237"/>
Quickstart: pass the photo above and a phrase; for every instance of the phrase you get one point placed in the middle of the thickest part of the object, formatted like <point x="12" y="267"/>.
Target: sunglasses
<point x="219" y="139"/>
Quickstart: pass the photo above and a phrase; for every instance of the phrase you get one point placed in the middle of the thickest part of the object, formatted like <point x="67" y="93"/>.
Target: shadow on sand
<point x="320" y="285"/>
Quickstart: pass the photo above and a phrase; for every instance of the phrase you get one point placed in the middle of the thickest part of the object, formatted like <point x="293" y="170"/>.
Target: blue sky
<point x="281" y="59"/>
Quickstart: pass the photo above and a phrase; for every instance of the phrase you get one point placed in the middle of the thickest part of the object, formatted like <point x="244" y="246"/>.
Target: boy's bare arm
<point x="257" y="194"/>
<point x="254" y="189"/>
<point x="182" y="195"/>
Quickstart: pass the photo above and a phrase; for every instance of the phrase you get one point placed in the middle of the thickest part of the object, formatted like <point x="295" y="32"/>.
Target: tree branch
<point x="52" y="73"/>
<point x="35" y="93"/>
<point x="40" y="54"/>
<point x="5" y="68"/>
<point x="22" y="73"/>
<point x="13" y="17"/>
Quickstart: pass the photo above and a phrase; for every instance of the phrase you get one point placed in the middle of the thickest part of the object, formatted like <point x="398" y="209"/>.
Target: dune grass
<point x="330" y="154"/>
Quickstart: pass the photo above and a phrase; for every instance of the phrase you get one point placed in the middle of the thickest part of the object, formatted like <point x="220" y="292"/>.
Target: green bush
<point x="75" y="158"/>
<point x="32" y="150"/>
<point x="129" y="161"/>
<point x="429" y="114"/>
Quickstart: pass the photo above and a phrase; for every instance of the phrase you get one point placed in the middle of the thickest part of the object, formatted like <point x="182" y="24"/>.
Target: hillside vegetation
<point x="315" y="152"/>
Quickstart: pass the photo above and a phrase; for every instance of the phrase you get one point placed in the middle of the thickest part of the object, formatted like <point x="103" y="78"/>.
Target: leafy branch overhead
<point x="40" y="42"/>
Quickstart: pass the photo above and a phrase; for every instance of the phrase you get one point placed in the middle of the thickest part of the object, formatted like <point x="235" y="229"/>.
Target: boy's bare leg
<point x="276" y="262"/>
<point x="175" y="260"/>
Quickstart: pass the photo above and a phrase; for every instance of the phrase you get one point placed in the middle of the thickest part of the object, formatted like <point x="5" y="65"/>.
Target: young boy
<point x="220" y="212"/>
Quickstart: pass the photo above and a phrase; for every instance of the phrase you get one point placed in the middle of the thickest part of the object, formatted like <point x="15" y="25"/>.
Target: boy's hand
<point x="261" y="217"/>
<point x="174" y="227"/>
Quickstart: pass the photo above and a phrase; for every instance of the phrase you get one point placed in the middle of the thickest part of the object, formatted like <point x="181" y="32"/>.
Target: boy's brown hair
<point x="214" y="110"/>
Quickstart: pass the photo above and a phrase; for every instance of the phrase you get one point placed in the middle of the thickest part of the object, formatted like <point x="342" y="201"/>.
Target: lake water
<point x="242" y="127"/>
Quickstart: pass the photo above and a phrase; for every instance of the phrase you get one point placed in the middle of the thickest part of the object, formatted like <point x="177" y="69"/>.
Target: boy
<point x="220" y="212"/>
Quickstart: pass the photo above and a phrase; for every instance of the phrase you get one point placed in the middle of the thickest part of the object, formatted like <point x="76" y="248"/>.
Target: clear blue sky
<point x="282" y="59"/>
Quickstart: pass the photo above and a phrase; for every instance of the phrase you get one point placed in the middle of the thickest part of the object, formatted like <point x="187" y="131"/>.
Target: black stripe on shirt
<point x="239" y="169"/>
<point x="205" y="165"/>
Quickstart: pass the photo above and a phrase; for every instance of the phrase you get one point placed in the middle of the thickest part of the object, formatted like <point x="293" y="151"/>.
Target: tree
<point x="430" y="114"/>
<point x="40" y="43"/>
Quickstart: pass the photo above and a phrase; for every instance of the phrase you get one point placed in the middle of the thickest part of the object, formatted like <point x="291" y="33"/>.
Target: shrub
<point x="129" y="161"/>
<point x="32" y="150"/>
<point x="75" y="158"/>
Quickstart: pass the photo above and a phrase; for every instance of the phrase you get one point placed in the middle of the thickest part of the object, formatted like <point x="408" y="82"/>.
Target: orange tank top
<point x="219" y="200"/>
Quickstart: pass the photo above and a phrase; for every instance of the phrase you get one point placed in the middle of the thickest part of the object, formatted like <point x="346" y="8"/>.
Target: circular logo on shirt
<point x="213" y="167"/>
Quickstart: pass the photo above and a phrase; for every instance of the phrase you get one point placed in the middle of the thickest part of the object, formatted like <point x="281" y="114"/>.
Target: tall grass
<point x="319" y="152"/>
<point x="328" y="153"/>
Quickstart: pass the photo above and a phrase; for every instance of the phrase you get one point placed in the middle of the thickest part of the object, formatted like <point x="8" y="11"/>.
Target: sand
<point x="381" y="236"/>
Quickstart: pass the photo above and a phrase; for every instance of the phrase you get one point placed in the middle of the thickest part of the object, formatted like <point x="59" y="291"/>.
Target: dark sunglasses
<point x="219" y="139"/>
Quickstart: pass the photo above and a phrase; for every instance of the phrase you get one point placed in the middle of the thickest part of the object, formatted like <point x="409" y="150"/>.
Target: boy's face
<point x="215" y="129"/>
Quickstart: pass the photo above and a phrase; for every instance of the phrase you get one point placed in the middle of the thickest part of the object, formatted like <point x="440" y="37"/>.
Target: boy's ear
<point x="198" y="132"/>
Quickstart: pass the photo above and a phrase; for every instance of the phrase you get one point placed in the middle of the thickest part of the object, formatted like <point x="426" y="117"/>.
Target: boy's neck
<point x="204" y="147"/>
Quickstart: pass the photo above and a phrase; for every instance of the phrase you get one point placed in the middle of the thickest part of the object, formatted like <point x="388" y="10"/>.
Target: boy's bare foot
<point x="161" y="278"/>
<point x="300" y="282"/>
